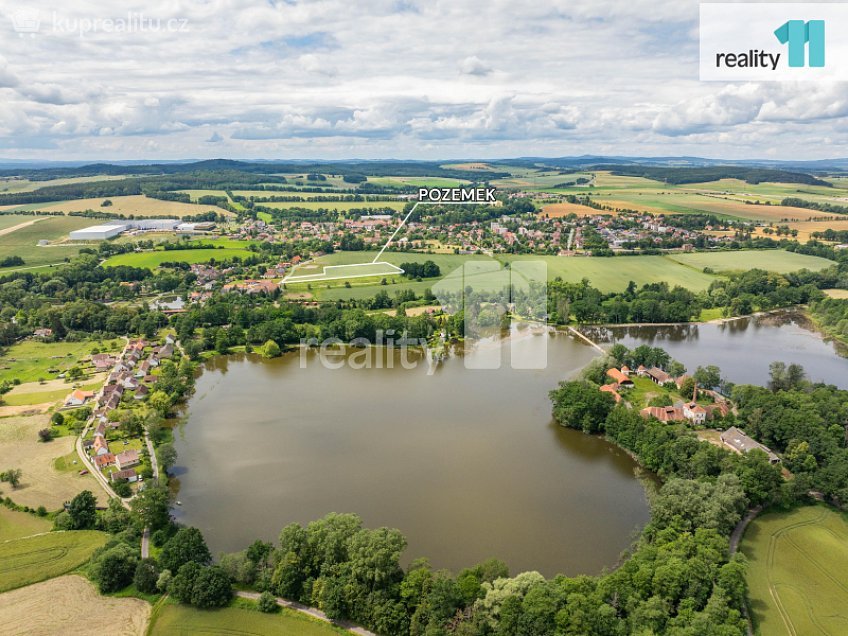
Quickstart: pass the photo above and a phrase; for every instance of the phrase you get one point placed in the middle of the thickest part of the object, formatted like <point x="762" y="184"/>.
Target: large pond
<point x="465" y="462"/>
<point x="743" y="348"/>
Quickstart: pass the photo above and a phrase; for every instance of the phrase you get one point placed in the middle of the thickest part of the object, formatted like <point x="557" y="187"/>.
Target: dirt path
<point x="20" y="226"/>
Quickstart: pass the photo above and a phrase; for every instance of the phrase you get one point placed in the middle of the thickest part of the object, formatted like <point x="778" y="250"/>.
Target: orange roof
<point x="79" y="394"/>
<point x="617" y="375"/>
<point x="610" y="388"/>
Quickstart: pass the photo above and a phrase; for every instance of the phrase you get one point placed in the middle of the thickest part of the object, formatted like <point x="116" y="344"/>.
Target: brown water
<point x="466" y="463"/>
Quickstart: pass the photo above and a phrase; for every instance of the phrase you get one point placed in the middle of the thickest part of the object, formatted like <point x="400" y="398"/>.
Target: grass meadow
<point x="778" y="261"/>
<point x="170" y="618"/>
<point x="152" y="260"/>
<point x="607" y="274"/>
<point x="796" y="572"/>
<point x="40" y="557"/>
<point x="17" y="525"/>
<point x="23" y="242"/>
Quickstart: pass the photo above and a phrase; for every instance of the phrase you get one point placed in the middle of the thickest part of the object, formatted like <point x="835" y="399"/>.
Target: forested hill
<point x="714" y="173"/>
<point x="372" y="168"/>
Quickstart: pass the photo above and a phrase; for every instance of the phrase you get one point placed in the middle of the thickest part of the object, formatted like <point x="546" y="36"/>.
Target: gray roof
<point x="740" y="442"/>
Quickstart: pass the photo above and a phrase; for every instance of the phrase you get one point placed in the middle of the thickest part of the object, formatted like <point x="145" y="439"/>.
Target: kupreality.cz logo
<point x="773" y="41"/>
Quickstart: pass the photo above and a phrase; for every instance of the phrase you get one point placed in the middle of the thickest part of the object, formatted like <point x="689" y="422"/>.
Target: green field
<point x="41" y="557"/>
<point x="724" y="198"/>
<point x="608" y="274"/>
<point x="417" y="182"/>
<point x="171" y="619"/>
<point x="335" y="205"/>
<point x="152" y="260"/>
<point x="16" y="525"/>
<point x="778" y="261"/>
<point x="8" y="186"/>
<point x="796" y="572"/>
<point x="311" y="273"/>
<point x="24" y="242"/>
<point x="29" y="360"/>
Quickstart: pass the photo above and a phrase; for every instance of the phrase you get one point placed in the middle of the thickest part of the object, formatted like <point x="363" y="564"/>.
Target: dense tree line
<point x="714" y="173"/>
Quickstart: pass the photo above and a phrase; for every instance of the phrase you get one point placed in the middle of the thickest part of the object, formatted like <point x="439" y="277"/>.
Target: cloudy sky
<point x="86" y="79"/>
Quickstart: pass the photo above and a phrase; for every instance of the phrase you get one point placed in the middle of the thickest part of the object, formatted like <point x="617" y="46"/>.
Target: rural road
<point x="145" y="543"/>
<point x="314" y="613"/>
<point x="739" y="530"/>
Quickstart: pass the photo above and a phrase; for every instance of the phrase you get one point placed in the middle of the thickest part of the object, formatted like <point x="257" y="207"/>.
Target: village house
<point x="127" y="459"/>
<point x="128" y="474"/>
<point x="252" y="286"/>
<point x="740" y="443"/>
<point x="78" y="397"/>
<point x="141" y="392"/>
<point x="102" y="461"/>
<point x="102" y="361"/>
<point x="100" y="446"/>
<point x="612" y="389"/>
<point x="657" y="375"/>
<point x="620" y="378"/>
<point x="143" y="369"/>
<point x="43" y="333"/>
<point x="694" y="412"/>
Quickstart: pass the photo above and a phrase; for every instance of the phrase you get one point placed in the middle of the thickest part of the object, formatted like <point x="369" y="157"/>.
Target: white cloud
<point x="382" y="78"/>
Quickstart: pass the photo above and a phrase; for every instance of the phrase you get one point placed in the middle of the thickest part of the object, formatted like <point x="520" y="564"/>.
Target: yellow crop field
<point x="555" y="210"/>
<point x="69" y="605"/>
<point x="135" y="204"/>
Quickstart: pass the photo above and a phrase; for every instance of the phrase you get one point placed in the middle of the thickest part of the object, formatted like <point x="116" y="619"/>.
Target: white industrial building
<point x="98" y="232"/>
<point x="109" y="230"/>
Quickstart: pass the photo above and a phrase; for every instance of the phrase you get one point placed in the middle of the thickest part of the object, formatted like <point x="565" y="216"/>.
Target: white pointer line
<point x="406" y="218"/>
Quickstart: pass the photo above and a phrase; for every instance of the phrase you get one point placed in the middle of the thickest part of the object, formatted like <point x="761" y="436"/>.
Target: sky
<point x="406" y="79"/>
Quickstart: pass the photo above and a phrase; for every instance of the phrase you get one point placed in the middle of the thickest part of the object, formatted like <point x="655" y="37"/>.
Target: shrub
<point x="267" y="603"/>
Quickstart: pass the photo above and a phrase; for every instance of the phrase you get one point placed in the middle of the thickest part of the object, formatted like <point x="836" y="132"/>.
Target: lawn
<point x="34" y="559"/>
<point x="30" y="360"/>
<point x="152" y="260"/>
<point x="778" y="261"/>
<point x="16" y="525"/>
<point x="170" y="619"/>
<point x="68" y="605"/>
<point x="796" y="573"/>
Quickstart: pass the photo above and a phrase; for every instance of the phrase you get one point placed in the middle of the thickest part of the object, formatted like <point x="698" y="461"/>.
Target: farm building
<point x="736" y="440"/>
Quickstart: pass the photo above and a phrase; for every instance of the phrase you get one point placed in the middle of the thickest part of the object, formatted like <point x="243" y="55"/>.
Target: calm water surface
<point x="466" y="463"/>
<point x="743" y="348"/>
